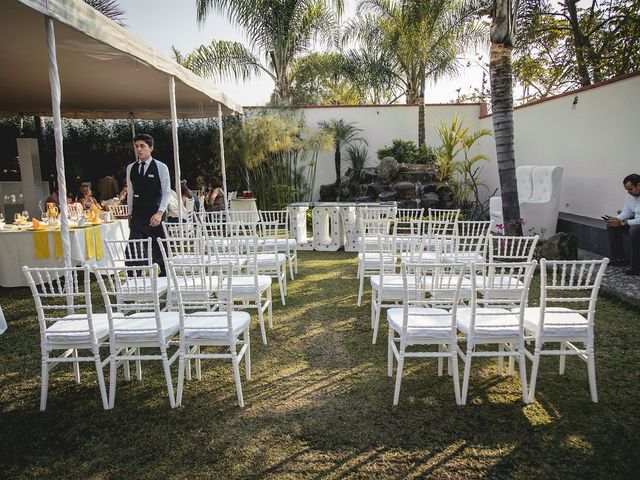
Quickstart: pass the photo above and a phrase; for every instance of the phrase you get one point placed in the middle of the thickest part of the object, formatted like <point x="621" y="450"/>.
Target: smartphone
<point x="606" y="217"/>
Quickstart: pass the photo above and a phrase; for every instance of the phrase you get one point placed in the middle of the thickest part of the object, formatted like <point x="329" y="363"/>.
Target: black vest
<point x="147" y="191"/>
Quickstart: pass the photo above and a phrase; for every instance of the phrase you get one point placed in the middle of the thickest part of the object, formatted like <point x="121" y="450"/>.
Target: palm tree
<point x="343" y="134"/>
<point x="277" y="31"/>
<point x="503" y="24"/>
<point x="423" y="37"/>
<point x="109" y="8"/>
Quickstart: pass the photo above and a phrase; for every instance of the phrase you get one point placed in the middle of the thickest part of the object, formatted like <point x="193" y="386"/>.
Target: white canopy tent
<point x="62" y="58"/>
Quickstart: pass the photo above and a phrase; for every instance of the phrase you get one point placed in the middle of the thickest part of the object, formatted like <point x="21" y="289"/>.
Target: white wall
<point x="595" y="141"/>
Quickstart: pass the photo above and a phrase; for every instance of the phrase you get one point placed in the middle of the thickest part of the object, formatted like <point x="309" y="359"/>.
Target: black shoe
<point x="631" y="271"/>
<point x="619" y="262"/>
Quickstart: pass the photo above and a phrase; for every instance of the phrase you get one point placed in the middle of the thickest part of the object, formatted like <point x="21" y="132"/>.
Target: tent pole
<point x="133" y="135"/>
<point x="174" y="135"/>
<point x="222" y="162"/>
<point x="54" y="82"/>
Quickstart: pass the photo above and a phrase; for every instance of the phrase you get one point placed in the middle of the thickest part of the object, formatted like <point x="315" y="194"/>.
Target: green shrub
<point x="406" y="151"/>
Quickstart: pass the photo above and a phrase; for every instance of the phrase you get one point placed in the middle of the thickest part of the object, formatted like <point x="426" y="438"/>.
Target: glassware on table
<point x="25" y="215"/>
<point x="17" y="218"/>
<point x="1" y="217"/>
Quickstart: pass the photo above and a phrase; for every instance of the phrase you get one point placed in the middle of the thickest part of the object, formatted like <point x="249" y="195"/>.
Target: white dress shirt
<point x="631" y="210"/>
<point x="165" y="183"/>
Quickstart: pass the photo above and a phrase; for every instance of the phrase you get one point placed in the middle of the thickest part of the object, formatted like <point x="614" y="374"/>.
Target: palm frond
<point x="225" y="59"/>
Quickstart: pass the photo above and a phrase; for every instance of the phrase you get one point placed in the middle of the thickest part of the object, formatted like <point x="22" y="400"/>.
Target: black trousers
<point x="140" y="228"/>
<point x="617" y="249"/>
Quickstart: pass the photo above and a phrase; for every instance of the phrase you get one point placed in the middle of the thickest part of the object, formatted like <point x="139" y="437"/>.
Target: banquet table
<point x="17" y="249"/>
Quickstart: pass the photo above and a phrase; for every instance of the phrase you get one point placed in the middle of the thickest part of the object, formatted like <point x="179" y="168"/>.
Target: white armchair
<point x="539" y="189"/>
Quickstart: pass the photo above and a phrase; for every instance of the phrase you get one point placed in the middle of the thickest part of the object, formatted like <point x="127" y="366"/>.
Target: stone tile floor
<point x="615" y="282"/>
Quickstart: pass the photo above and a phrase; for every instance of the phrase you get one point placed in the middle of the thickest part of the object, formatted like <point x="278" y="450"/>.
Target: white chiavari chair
<point x="119" y="211"/>
<point x="287" y="245"/>
<point x="180" y="229"/>
<point x="369" y="254"/>
<point x="493" y="318"/>
<point x="444" y="214"/>
<point x="566" y="315"/>
<point x="62" y="298"/>
<point x="426" y="319"/>
<point x="209" y="321"/>
<point x="404" y="217"/>
<point x="270" y="261"/>
<point x="136" y="324"/>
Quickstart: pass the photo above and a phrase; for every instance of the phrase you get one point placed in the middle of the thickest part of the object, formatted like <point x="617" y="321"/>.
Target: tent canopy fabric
<point x="105" y="71"/>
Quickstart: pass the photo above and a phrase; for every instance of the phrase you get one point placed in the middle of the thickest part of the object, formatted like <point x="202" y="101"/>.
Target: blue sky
<point x="162" y="23"/>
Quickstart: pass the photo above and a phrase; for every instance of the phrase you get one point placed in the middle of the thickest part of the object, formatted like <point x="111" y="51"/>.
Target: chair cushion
<point x="197" y="327"/>
<point x="462" y="257"/>
<point x="489" y="322"/>
<point x="392" y="283"/>
<point x="246" y="284"/>
<point x="70" y="330"/>
<point x="371" y="259"/>
<point x="162" y="283"/>
<point x="270" y="258"/>
<point x="419" y="321"/>
<point x="559" y="324"/>
<point x="128" y="328"/>
<point x="281" y="242"/>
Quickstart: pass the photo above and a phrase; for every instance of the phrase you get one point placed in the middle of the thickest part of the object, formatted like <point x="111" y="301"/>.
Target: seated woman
<point x="85" y="199"/>
<point x="214" y="201"/>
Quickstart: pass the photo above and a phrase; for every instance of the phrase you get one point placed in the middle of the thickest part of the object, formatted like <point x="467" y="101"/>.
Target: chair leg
<point x="453" y="361"/>
<point x="361" y="289"/>
<point x="180" y="388"/>
<point x="113" y="375"/>
<point x="44" y="385"/>
<point x="591" y="368"/>
<point x="500" y="359"/>
<point x="138" y="365"/>
<point x="290" y="261"/>
<point x="167" y="376"/>
<point x="236" y="375"/>
<point x="282" y="291"/>
<point x="188" y="368"/>
<point x="465" y="376"/>
<point x="563" y="358"/>
<point x="534" y="374"/>
<point x="396" y="393"/>
<point x="198" y="364"/>
<point x="270" y="308"/>
<point x="373" y="306"/>
<point x="440" y="361"/>
<point x="390" y="353"/>
<point x="247" y="355"/>
<point x="376" y="320"/>
<point x="522" y="364"/>
<point x="295" y="256"/>
<point x="76" y="366"/>
<point x="261" y="322"/>
<point x="101" y="384"/>
<point x="512" y="359"/>
<point x="127" y="369"/>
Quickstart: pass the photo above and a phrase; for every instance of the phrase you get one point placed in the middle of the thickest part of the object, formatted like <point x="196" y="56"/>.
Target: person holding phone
<point x="626" y="223"/>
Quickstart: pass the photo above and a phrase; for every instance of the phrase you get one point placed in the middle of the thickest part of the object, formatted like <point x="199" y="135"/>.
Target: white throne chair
<point x="539" y="189"/>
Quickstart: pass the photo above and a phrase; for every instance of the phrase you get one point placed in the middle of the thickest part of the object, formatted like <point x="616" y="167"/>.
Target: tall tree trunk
<point x="580" y="43"/>
<point x="421" y="133"/>
<point x="338" y="164"/>
<point x="502" y="105"/>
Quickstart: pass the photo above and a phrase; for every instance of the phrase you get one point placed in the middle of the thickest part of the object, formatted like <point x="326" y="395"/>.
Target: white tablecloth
<point x="16" y="250"/>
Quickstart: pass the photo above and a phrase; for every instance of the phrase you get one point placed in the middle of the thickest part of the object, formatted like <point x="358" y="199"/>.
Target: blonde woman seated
<point x="86" y="199"/>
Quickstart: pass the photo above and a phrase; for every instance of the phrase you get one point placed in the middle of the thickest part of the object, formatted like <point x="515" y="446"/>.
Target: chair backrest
<point x="58" y="292"/>
<point x="511" y="249"/>
<point x="570" y="286"/>
<point x="502" y="287"/>
<point x="135" y="292"/>
<point x="132" y="252"/>
<point x="376" y="213"/>
<point x="546" y="182"/>
<point x="183" y="249"/>
<point x="523" y="179"/>
<point x="119" y="211"/>
<point x="374" y="227"/>
<point x="75" y="210"/>
<point x="180" y="229"/>
<point x="276" y="222"/>
<point x="201" y="289"/>
<point x="473" y="228"/>
<point x="211" y="217"/>
<point x="463" y="248"/>
<point x="444" y="214"/>
<point x="404" y="217"/>
<point x="433" y="286"/>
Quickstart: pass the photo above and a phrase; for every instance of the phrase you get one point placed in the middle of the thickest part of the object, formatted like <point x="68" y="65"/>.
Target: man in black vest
<point x="148" y="195"/>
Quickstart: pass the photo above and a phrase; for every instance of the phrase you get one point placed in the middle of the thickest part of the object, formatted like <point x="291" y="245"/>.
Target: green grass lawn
<point x="319" y="405"/>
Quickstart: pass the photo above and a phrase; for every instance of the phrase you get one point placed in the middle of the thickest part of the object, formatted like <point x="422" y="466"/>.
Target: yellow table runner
<point x="41" y="244"/>
<point x="92" y="240"/>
